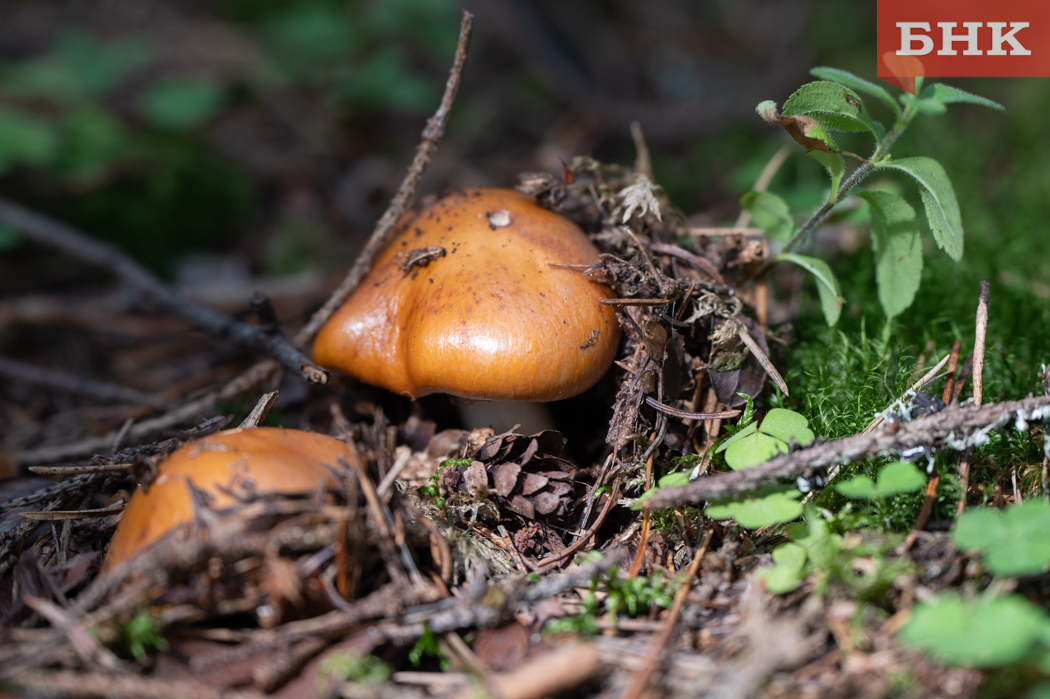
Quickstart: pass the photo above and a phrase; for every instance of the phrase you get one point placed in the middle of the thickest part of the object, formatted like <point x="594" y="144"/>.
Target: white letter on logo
<point x="998" y="38"/>
<point x="907" y="39"/>
<point x="947" y="38"/>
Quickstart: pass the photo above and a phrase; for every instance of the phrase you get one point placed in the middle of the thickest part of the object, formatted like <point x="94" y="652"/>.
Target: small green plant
<point x="760" y="442"/>
<point x="815" y="550"/>
<point x="834" y="104"/>
<point x="350" y="667"/>
<point x="987" y="633"/>
<point x="771" y="504"/>
<point x="897" y="477"/>
<point x="1014" y="541"/>
<point x="141" y="635"/>
<point x="632" y="596"/>
<point x="427" y="645"/>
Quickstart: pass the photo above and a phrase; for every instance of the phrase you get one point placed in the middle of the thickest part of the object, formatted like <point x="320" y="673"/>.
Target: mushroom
<point x="225" y="466"/>
<point x="465" y="301"/>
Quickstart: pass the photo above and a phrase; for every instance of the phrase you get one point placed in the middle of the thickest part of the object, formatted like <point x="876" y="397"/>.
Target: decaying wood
<point x="954" y="428"/>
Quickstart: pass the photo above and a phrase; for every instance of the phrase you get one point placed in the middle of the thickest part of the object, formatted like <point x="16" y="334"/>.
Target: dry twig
<point x="953" y="427"/>
<point x="432" y="135"/>
<point x="47" y="231"/>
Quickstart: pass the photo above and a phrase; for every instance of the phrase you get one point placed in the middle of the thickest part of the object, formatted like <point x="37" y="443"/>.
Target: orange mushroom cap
<point x="261" y="460"/>
<point x="485" y="317"/>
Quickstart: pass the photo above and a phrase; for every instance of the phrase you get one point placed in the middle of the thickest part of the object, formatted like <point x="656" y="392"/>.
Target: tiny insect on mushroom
<point x="465" y="301"/>
<point x="225" y="465"/>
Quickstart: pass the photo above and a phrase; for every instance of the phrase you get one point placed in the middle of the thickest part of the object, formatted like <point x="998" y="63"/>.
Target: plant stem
<point x="855" y="178"/>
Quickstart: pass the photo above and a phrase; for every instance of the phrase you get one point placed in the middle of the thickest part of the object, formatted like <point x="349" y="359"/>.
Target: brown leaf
<point x="546" y="503"/>
<point x="797" y="126"/>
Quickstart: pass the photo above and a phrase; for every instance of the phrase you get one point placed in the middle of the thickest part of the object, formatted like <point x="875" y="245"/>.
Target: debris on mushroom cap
<point x="489" y="318"/>
<point x="225" y="465"/>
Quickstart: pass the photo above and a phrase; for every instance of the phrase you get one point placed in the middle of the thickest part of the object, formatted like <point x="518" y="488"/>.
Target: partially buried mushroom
<point x="465" y="301"/>
<point x="225" y="466"/>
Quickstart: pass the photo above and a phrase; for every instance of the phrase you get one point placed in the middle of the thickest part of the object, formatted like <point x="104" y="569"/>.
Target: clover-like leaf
<point x="788" y="570"/>
<point x="786" y="425"/>
<point x="898" y="477"/>
<point x="770" y="505"/>
<point x="756" y="449"/>
<point x="988" y="634"/>
<point x="756" y="444"/>
<point x="673" y="480"/>
<point x="1013" y="542"/>
<point x="740" y="434"/>
<point x="770" y="213"/>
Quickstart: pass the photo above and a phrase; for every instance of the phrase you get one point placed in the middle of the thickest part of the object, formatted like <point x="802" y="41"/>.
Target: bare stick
<point x="979" y="340"/>
<point x="64" y="381"/>
<point x="642" y="163"/>
<point x="764" y="180"/>
<point x="50" y="454"/>
<point x="432" y="135"/>
<point x="688" y="415"/>
<point x="261" y="410"/>
<point x="981" y="332"/>
<point x="927" y="378"/>
<point x="653" y="659"/>
<point x="950" y="428"/>
<point x="42" y="229"/>
<point x="764" y="361"/>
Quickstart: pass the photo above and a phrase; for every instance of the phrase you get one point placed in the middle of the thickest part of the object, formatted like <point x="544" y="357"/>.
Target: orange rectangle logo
<point x="962" y="38"/>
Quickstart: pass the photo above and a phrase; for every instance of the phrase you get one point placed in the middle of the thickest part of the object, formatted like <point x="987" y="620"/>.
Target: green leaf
<point x="749" y="429"/>
<point x="833" y="106"/>
<point x="946" y="94"/>
<point x="1013" y="542"/>
<point x="25" y="140"/>
<point x="992" y="633"/>
<point x="788" y="571"/>
<point x="180" y="105"/>
<point x="771" y="213"/>
<point x="898" y="250"/>
<point x="786" y="425"/>
<point x="756" y="449"/>
<point x="923" y="106"/>
<point x="938" y="196"/>
<point x="844" y="77"/>
<point x="769" y="505"/>
<point x="827" y="286"/>
<point x="898" y="477"/>
<point x="835" y="164"/>
<point x="673" y="480"/>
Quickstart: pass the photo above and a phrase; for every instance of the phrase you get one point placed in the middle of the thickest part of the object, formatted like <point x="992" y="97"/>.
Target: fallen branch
<point x="64" y="381"/>
<point x="432" y="135"/>
<point x="955" y="428"/>
<point x="47" y="231"/>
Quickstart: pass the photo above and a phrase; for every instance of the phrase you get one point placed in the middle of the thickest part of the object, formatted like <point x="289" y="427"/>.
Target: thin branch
<point x="955" y="428"/>
<point x="432" y="135"/>
<point x="47" y="231"/>
<point x="261" y="409"/>
<point x="686" y="414"/>
<point x="981" y="334"/>
<point x="67" y="382"/>
<point x="257" y="374"/>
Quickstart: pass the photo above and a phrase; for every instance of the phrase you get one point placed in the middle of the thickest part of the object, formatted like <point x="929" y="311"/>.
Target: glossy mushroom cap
<point x="485" y="317"/>
<point x="261" y="460"/>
